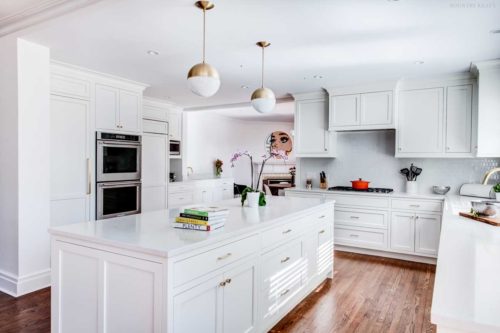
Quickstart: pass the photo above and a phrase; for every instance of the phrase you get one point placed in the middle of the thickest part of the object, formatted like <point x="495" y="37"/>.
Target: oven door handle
<point x="125" y="184"/>
<point x="118" y="143"/>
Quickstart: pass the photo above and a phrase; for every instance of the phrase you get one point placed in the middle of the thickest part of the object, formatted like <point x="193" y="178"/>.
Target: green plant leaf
<point x="262" y="199"/>
<point x="496" y="188"/>
<point x="244" y="194"/>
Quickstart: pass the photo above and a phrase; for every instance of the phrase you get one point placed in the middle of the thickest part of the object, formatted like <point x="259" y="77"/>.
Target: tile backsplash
<point x="370" y="155"/>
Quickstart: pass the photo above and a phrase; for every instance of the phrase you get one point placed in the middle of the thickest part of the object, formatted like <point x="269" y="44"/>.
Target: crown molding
<point x="43" y="11"/>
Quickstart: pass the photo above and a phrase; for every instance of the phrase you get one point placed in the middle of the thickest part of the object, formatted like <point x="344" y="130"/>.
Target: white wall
<point x="370" y="155"/>
<point x="209" y="136"/>
<point x="25" y="172"/>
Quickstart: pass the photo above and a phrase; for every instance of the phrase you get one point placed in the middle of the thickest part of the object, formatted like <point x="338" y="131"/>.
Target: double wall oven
<point x="118" y="175"/>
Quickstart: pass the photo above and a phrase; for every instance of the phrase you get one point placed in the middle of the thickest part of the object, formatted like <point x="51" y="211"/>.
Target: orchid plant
<point x="279" y="154"/>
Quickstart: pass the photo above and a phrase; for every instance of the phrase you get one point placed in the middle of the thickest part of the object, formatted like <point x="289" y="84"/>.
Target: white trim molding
<point x="17" y="286"/>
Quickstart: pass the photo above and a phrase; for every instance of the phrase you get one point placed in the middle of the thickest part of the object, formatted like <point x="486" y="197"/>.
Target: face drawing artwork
<point x="280" y="140"/>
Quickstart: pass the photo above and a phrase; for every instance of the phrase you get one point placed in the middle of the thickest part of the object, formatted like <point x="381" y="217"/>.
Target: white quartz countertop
<point x="467" y="285"/>
<point x="194" y="180"/>
<point x="389" y="195"/>
<point x="153" y="233"/>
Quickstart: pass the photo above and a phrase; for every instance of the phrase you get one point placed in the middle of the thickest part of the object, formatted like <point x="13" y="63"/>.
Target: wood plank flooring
<point x="368" y="294"/>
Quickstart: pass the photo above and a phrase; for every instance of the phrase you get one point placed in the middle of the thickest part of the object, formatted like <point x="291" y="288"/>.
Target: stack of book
<point x="202" y="218"/>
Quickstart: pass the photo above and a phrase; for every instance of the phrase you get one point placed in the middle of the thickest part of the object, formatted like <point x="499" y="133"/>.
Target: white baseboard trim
<point x="393" y="255"/>
<point x="18" y="286"/>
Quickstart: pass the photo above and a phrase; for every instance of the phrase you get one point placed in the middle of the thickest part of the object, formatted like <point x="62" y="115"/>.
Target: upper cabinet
<point x="118" y="109"/>
<point x="437" y="119"/>
<point x="167" y="112"/>
<point x="312" y="138"/>
<point x="367" y="107"/>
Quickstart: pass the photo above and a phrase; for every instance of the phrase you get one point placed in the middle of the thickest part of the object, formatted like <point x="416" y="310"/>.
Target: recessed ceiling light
<point x="495" y="31"/>
<point x="153" y="52"/>
<point x="244" y="86"/>
<point x="318" y="77"/>
<point x="419" y="62"/>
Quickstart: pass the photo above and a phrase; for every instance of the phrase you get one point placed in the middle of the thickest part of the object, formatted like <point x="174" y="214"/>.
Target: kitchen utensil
<point x="417" y="171"/>
<point x="360" y="184"/>
<point x="442" y="190"/>
<point x="406" y="172"/>
<point x="490" y="220"/>
<point x="477" y="190"/>
<point x="485" y="208"/>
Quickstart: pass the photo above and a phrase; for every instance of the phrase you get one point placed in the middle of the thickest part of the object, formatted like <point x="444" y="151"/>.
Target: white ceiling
<point x="283" y="112"/>
<point x="346" y="41"/>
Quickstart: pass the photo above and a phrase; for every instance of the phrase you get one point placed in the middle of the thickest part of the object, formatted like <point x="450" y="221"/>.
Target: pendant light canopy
<point x="203" y="79"/>
<point x="263" y="99"/>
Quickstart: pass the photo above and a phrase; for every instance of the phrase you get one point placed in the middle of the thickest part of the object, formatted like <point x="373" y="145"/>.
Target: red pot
<point x="360" y="184"/>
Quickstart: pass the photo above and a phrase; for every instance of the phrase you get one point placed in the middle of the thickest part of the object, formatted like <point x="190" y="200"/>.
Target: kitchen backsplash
<point x="370" y="155"/>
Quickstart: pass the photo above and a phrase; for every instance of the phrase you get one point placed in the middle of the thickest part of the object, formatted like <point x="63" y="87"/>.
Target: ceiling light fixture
<point x="318" y="77"/>
<point x="263" y="99"/>
<point x="203" y="79"/>
<point x="419" y="62"/>
<point x="244" y="86"/>
<point x="153" y="52"/>
<point x="495" y="31"/>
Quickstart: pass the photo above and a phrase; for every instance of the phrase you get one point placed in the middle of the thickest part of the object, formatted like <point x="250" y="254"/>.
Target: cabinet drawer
<point x="359" y="201"/>
<point x="282" y="233"/>
<point x="68" y="86"/>
<point x="155" y="127"/>
<point x="417" y="205"/>
<point x="180" y="199"/>
<point x="150" y="112"/>
<point x="203" y="263"/>
<point x="361" y="237"/>
<point x="361" y="218"/>
<point x="272" y="300"/>
<point x="281" y="265"/>
<point x="179" y="187"/>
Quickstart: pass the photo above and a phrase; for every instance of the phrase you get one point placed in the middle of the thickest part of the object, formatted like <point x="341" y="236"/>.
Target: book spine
<point x="195" y="212"/>
<point x="189" y="220"/>
<point x="196" y="226"/>
<point x="191" y="216"/>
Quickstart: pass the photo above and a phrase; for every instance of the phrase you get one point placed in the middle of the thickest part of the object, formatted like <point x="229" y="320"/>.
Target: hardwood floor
<point x="367" y="294"/>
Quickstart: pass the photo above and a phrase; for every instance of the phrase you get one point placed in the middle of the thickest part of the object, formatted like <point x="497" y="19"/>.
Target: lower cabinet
<point x="224" y="303"/>
<point x="200" y="192"/>
<point x="415" y="233"/>
<point x="403" y="232"/>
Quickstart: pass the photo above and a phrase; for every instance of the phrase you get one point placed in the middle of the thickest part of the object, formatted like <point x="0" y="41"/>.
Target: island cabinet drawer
<point x="211" y="260"/>
<point x="283" y="233"/>
<point x="375" y="239"/>
<point x="180" y="199"/>
<point x="417" y="205"/>
<point x="177" y="188"/>
<point x="282" y="264"/>
<point x="359" y="201"/>
<point x="361" y="218"/>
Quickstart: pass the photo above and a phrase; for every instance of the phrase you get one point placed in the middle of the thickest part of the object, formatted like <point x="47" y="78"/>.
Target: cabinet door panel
<point x="154" y="159"/>
<point x="174" y="125"/>
<point x="421" y="121"/>
<point x="345" y="110"/>
<point x="240" y="294"/>
<point x="70" y="160"/>
<point x="203" y="195"/>
<point x="403" y="232"/>
<point x="196" y="309"/>
<point x="428" y="230"/>
<point x="130" y="111"/>
<point x="312" y="136"/>
<point x="106" y="107"/>
<point x="376" y="108"/>
<point x="153" y="198"/>
<point x="459" y="119"/>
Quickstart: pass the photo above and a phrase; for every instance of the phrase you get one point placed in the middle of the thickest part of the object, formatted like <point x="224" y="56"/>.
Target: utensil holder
<point x="323" y="185"/>
<point x="412" y="187"/>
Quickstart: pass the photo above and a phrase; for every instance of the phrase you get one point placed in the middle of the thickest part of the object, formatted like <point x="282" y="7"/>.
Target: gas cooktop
<point x="371" y="189"/>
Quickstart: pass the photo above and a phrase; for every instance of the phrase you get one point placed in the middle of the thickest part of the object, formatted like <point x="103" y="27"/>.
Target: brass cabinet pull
<point x="284" y="292"/>
<point x="353" y="235"/>
<point x="355" y="217"/>
<point x="287" y="231"/>
<point x="89" y="177"/>
<point x="227" y="255"/>
<point x="222" y="284"/>
<point x="285" y="260"/>
<point x="322" y="231"/>
<point x="416" y="206"/>
<point x="228" y="281"/>
<point x="322" y="217"/>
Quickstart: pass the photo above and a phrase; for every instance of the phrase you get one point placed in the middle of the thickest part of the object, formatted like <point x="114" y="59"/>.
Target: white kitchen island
<point x="139" y="274"/>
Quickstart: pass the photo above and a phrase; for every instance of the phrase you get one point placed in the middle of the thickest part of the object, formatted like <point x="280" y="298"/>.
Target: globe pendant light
<point x="203" y="79"/>
<point x="263" y="99"/>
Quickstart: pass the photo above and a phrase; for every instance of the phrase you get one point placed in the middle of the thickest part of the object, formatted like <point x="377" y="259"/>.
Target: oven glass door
<point x="118" y="161"/>
<point x="118" y="199"/>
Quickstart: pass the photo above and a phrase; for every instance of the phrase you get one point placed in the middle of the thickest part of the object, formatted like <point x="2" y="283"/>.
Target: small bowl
<point x="485" y="208"/>
<point x="442" y="190"/>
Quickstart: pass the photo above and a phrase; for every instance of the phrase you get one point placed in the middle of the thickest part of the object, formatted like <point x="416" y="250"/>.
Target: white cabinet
<point x="71" y="163"/>
<point x="154" y="171"/>
<point x="312" y="138"/>
<point x="175" y="125"/>
<point x="203" y="195"/>
<point x="365" y="111"/>
<point x="459" y="119"/>
<point x="200" y="192"/>
<point x="403" y="232"/>
<point x="224" y="303"/>
<point x="118" y="109"/>
<point x="437" y="122"/>
<point x="421" y="115"/>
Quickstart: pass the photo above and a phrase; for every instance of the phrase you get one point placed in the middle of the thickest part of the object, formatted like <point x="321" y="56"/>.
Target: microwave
<point x="175" y="147"/>
<point x="118" y="157"/>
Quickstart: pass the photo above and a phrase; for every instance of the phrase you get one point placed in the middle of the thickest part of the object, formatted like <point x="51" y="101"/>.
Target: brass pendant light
<point x="263" y="99"/>
<point x="203" y="79"/>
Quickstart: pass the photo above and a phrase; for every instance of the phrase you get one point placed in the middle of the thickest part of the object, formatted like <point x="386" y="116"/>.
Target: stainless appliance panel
<point x="118" y="199"/>
<point x="117" y="161"/>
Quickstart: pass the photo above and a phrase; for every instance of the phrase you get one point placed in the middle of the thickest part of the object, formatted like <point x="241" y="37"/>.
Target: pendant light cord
<point x="204" y="11"/>
<point x="262" y="85"/>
